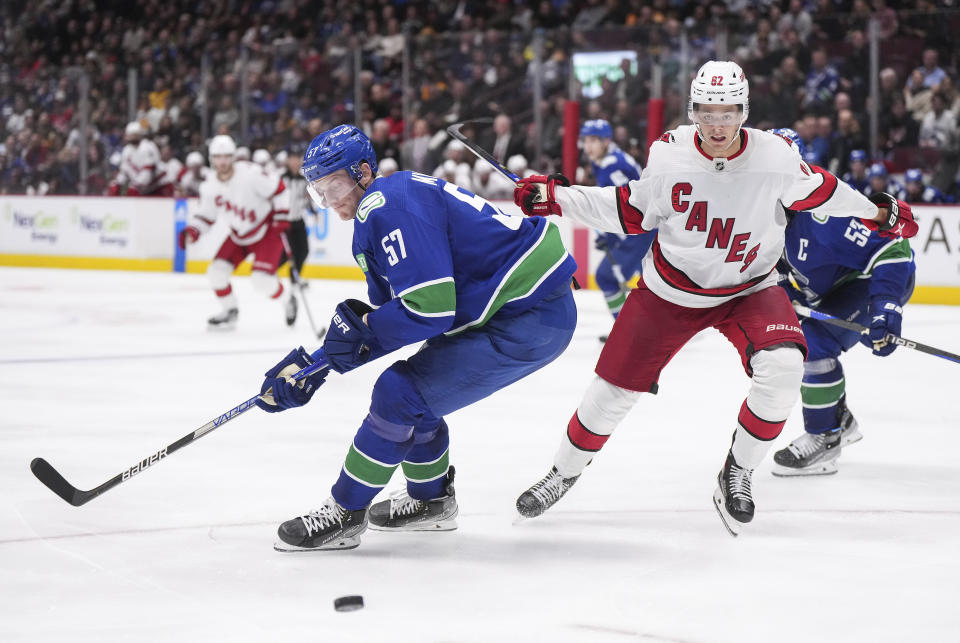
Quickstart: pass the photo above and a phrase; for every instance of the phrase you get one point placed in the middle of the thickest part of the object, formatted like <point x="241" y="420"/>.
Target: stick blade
<point x="56" y="483"/>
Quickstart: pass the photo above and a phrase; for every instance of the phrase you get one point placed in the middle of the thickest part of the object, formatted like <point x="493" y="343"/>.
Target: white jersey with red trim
<point x="720" y="220"/>
<point x="140" y="166"/>
<point x="189" y="180"/>
<point x="251" y="199"/>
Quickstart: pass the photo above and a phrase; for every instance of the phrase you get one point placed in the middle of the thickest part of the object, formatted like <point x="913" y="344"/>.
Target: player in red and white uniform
<point x="141" y="170"/>
<point x="193" y="174"/>
<point x="714" y="190"/>
<point x="255" y="204"/>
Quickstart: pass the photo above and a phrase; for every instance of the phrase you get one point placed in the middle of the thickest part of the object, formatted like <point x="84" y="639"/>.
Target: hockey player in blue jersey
<point x="623" y="254"/>
<point x="490" y="295"/>
<point x="880" y="181"/>
<point x="840" y="267"/>
<point x="916" y="192"/>
<point x="857" y="176"/>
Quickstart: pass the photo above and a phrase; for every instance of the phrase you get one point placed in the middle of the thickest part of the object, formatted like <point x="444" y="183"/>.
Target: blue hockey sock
<point x="377" y="450"/>
<point x="425" y="466"/>
<point x="821" y="390"/>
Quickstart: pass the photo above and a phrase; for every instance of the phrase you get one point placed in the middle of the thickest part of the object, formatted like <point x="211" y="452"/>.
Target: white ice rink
<point x="99" y="370"/>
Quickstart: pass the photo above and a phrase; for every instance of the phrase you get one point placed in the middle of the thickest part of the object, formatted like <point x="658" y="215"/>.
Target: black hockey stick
<point x="483" y="155"/>
<point x="860" y="328"/>
<point x="300" y="286"/>
<point x="49" y="476"/>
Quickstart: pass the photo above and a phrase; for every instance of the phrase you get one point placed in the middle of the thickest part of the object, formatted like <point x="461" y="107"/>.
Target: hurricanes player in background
<point x="623" y="254"/>
<point x="140" y="171"/>
<point x="714" y="191"/>
<point x="255" y="205"/>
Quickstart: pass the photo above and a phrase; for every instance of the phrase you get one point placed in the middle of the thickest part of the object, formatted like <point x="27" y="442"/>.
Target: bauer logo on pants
<point x="790" y="327"/>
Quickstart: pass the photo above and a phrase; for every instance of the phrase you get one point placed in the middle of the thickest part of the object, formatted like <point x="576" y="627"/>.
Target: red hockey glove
<point x="900" y="221"/>
<point x="535" y="194"/>
<point x="187" y="235"/>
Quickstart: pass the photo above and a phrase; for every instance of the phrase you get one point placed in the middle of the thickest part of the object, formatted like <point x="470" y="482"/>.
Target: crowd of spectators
<point x="807" y="61"/>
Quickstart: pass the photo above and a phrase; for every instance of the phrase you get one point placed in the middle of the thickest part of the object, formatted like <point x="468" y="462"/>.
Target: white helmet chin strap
<point x="728" y="146"/>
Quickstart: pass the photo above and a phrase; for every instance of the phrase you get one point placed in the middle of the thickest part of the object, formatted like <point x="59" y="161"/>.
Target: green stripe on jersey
<point x="896" y="251"/>
<point x="426" y="471"/>
<point x="432" y="299"/>
<point x="822" y="395"/>
<point x="541" y="259"/>
<point x="367" y="470"/>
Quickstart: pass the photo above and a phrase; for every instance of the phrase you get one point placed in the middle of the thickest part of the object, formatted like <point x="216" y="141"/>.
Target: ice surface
<point x="100" y="369"/>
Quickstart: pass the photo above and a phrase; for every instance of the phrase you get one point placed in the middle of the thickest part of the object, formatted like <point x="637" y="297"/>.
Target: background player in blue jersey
<point x="915" y="191"/>
<point x="490" y="294"/>
<point x="857" y="176"/>
<point x="841" y="267"/>
<point x="880" y="181"/>
<point x="623" y="254"/>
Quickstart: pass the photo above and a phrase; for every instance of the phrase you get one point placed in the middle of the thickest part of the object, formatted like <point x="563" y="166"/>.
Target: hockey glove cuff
<point x="350" y="342"/>
<point x="900" y="222"/>
<point x="536" y="194"/>
<point x="886" y="317"/>
<point x="280" y="391"/>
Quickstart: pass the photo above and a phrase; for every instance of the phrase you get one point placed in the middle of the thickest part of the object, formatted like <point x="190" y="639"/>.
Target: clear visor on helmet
<point x="331" y="189"/>
<point x="725" y="119"/>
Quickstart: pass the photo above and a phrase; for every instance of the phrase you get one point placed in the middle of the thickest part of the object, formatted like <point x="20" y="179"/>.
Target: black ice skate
<point x="227" y="320"/>
<point x="290" y="310"/>
<point x="733" y="498"/>
<point x="544" y="494"/>
<point x="849" y="428"/>
<point x="403" y="513"/>
<point x="329" y="527"/>
<point x="812" y="454"/>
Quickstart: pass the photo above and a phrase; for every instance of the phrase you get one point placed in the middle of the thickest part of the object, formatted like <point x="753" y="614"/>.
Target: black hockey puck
<point x="348" y="603"/>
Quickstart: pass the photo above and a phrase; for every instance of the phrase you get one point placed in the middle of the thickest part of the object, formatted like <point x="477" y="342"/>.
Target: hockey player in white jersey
<point x="141" y="169"/>
<point x="255" y="204"/>
<point x="714" y="191"/>
<point x="193" y="174"/>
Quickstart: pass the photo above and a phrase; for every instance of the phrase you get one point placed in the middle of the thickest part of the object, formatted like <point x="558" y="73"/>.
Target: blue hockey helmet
<point x="858" y="155"/>
<point x="791" y="136"/>
<point x="341" y="148"/>
<point x="913" y="175"/>
<point x="597" y="127"/>
<point x="876" y="170"/>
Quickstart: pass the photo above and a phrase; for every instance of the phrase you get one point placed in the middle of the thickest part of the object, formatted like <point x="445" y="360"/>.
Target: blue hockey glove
<point x="349" y="342"/>
<point x="278" y="394"/>
<point x="886" y="316"/>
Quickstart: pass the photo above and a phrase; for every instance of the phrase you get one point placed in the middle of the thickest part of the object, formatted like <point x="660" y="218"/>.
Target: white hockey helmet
<point x="261" y="156"/>
<point x="517" y="163"/>
<point x="194" y="159"/>
<point x="133" y="128"/>
<point x="242" y="153"/>
<point x="720" y="82"/>
<point x="221" y="144"/>
<point x="281" y="158"/>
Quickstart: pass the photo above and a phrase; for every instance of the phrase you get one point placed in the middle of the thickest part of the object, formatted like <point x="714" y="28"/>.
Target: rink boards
<point x="140" y="234"/>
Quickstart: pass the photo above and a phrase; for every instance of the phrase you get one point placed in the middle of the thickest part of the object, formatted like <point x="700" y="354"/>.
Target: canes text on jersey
<point x="719" y="231"/>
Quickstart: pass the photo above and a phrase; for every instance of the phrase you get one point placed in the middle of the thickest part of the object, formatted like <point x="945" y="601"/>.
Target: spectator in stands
<point x="504" y="143"/>
<point x="822" y="83"/>
<point x="796" y="18"/>
<point x="898" y="128"/>
<point x="932" y="74"/>
<point x="917" y="96"/>
<point x="849" y="137"/>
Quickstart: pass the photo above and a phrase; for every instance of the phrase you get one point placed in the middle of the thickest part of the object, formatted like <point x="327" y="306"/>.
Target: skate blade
<point x="732" y="525"/>
<point x="340" y="543"/>
<point x="220" y="328"/>
<point x="817" y="469"/>
<point x="850" y="436"/>
<point x="435" y="525"/>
